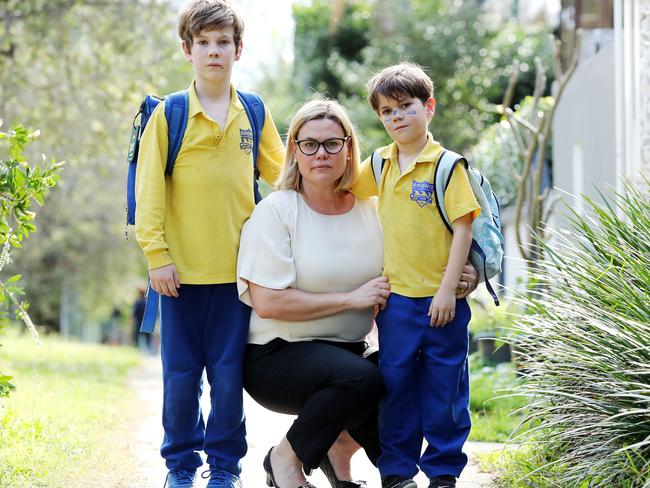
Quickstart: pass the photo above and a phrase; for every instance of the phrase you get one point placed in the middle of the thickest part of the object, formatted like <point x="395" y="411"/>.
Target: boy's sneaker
<point x="179" y="478"/>
<point x="221" y="479"/>
<point x="394" y="481"/>
<point x="445" y="481"/>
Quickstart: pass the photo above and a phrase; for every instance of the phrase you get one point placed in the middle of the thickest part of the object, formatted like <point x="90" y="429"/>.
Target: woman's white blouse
<point x="286" y="244"/>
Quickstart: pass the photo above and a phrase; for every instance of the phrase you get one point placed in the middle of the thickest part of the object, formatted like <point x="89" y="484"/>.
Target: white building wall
<point x="584" y="128"/>
<point x="632" y="30"/>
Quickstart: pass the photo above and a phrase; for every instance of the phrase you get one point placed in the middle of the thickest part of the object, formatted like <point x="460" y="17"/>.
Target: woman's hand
<point x="374" y="292"/>
<point x="468" y="281"/>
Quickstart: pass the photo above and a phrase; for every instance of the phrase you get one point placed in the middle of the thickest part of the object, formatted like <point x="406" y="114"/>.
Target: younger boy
<point x="188" y="226"/>
<point x="423" y="338"/>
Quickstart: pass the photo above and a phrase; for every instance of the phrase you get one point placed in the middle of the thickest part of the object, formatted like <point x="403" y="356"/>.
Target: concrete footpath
<point x="264" y="428"/>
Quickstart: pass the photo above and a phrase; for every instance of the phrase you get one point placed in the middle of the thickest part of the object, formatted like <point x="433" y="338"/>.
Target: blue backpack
<point x="176" y="113"/>
<point x="486" y="252"/>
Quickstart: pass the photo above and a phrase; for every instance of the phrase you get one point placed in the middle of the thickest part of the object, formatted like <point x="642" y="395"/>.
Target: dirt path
<point x="264" y="430"/>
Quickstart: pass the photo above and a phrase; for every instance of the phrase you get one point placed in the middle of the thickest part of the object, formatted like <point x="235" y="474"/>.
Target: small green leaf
<point x="13" y="279"/>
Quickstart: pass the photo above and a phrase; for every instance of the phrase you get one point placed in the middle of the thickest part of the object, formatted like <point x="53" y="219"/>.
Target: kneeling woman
<point x="310" y="262"/>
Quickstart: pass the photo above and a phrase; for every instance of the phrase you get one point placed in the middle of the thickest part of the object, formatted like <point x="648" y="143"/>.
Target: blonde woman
<point x="309" y="264"/>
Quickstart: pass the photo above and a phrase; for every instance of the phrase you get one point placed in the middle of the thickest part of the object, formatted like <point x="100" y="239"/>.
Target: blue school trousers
<point x="205" y="328"/>
<point x="427" y="381"/>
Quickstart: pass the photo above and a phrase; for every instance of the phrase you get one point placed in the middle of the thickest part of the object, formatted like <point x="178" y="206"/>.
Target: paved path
<point x="264" y="430"/>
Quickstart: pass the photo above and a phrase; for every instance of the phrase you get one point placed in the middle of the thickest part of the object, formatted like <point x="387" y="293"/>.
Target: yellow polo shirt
<point x="416" y="241"/>
<point x="194" y="218"/>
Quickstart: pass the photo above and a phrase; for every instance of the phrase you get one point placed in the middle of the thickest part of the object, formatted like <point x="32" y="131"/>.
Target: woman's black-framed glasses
<point x="309" y="147"/>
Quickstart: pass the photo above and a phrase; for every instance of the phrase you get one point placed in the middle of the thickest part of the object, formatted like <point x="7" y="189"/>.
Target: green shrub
<point x="486" y="317"/>
<point x="587" y="347"/>
<point x="495" y="413"/>
<point x="21" y="185"/>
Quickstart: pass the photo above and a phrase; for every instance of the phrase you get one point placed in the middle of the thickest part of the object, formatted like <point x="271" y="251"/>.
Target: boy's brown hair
<point x="207" y="15"/>
<point x="398" y="81"/>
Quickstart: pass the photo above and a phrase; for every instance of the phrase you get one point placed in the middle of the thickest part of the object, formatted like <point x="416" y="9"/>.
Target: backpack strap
<point x="254" y="107"/>
<point x="377" y="165"/>
<point x="150" y="310"/>
<point x="177" y="106"/>
<point x="442" y="177"/>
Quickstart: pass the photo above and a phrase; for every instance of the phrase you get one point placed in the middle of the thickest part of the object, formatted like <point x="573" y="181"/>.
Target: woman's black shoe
<point x="327" y="468"/>
<point x="270" y="478"/>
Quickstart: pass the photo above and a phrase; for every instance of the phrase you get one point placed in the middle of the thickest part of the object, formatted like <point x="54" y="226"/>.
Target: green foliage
<point x="587" y="348"/>
<point x="71" y="413"/>
<point x="21" y="185"/>
<point x="495" y="413"/>
<point x="79" y="70"/>
<point x="497" y="155"/>
<point x="468" y="60"/>
<point x="324" y="55"/>
<point x="516" y="467"/>
<point x="487" y="317"/>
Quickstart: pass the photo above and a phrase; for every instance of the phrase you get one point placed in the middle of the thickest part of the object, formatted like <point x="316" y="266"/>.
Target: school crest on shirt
<point x="246" y="140"/>
<point x="422" y="192"/>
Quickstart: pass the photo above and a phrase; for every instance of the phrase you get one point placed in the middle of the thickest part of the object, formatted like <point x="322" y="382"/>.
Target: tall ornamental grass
<point x="586" y="344"/>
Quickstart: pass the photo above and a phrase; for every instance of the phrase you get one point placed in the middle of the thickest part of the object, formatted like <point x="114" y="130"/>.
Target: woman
<point x="310" y="262"/>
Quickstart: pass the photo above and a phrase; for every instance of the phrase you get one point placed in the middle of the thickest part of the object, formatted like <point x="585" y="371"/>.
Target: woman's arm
<point x="296" y="305"/>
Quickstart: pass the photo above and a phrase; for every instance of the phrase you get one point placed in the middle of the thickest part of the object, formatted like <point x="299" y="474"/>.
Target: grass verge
<point x="67" y="424"/>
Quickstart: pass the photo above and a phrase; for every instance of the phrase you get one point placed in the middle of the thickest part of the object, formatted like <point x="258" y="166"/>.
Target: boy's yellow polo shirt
<point x="194" y="218"/>
<point x="416" y="241"/>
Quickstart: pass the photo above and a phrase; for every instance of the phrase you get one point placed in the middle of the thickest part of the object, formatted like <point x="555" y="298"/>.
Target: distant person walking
<point x="137" y="313"/>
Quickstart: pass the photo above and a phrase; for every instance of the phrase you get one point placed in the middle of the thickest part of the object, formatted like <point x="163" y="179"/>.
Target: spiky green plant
<point x="586" y="343"/>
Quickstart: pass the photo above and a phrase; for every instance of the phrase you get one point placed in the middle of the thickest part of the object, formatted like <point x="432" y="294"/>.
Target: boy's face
<point x="213" y="54"/>
<point x="406" y="119"/>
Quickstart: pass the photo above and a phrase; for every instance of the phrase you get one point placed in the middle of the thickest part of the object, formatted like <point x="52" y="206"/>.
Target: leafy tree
<point x="532" y="133"/>
<point x="469" y="62"/>
<point x="326" y="48"/>
<point x="498" y="156"/>
<point x="21" y="184"/>
<point x="79" y="70"/>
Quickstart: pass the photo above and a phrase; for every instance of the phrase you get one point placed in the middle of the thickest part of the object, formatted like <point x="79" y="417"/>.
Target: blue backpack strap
<point x="254" y="107"/>
<point x="150" y="311"/>
<point x="177" y="107"/>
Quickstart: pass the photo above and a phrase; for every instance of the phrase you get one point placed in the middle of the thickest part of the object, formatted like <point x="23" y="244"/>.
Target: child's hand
<point x="443" y="308"/>
<point x="165" y="280"/>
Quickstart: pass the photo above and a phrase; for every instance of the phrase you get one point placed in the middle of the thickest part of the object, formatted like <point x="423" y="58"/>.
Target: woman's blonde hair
<point x="290" y="178"/>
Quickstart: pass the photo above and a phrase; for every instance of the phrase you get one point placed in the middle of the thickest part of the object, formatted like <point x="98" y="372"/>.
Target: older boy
<point x="423" y="340"/>
<point x="188" y="226"/>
